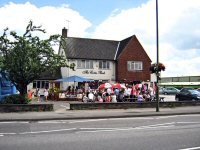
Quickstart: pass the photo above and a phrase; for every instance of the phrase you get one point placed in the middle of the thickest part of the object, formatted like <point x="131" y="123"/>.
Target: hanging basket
<point x="154" y="68"/>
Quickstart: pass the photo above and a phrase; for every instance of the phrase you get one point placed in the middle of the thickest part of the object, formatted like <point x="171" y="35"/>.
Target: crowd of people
<point x="37" y="93"/>
<point x="132" y="93"/>
<point x="128" y="93"/>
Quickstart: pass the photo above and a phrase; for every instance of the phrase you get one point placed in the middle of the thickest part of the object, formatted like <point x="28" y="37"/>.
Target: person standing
<point x="151" y="92"/>
<point x="30" y="94"/>
<point x="46" y="94"/>
<point x="38" y="94"/>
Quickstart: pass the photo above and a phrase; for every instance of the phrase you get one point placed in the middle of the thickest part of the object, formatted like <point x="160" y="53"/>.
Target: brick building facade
<point x="133" y="52"/>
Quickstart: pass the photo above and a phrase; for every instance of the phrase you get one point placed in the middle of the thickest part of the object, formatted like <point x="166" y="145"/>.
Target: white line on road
<point x="134" y="118"/>
<point x="107" y="119"/>
<point x="55" y="121"/>
<point x="124" y="129"/>
<point x="8" y="133"/>
<point x="91" y="120"/>
<point x="140" y="127"/>
<point x="47" y="131"/>
<point x="7" y="122"/>
<point x="188" y="122"/>
<point x="164" y="125"/>
<point x="192" y="148"/>
<point x="164" y="117"/>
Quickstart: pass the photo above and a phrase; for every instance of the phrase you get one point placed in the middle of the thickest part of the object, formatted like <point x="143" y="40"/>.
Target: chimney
<point x="64" y="32"/>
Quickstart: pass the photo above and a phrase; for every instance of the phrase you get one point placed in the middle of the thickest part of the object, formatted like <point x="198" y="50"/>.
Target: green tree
<point x="25" y="57"/>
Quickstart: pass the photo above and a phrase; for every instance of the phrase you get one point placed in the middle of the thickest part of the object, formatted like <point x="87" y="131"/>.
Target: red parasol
<point x="118" y="85"/>
<point x="137" y="86"/>
<point x="105" y="86"/>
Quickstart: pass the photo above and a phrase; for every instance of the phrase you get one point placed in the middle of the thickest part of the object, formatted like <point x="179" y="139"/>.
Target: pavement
<point x="62" y="112"/>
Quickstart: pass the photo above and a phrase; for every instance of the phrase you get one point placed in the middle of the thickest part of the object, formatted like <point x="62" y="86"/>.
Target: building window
<point x="84" y="64"/>
<point x="104" y="65"/>
<point x="41" y="84"/>
<point x="135" y="65"/>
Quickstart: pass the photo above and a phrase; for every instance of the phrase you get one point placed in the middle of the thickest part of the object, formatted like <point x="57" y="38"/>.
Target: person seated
<point x="147" y="97"/>
<point x="121" y="96"/>
<point x="113" y="98"/>
<point x="99" y="97"/>
<point x="91" y="96"/>
<point x="140" y="97"/>
<point x="108" y="98"/>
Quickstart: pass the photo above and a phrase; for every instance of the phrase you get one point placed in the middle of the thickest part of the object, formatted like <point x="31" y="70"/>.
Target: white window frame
<point x="41" y="84"/>
<point x="104" y="65"/>
<point x="85" y="64"/>
<point x="135" y="65"/>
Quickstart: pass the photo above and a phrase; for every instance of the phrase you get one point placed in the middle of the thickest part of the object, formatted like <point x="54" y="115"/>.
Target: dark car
<point x="188" y="94"/>
<point x="170" y="90"/>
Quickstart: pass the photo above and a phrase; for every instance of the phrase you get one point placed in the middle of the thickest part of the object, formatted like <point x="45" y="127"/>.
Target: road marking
<point x="1" y="135"/>
<point x="7" y="134"/>
<point x="188" y="122"/>
<point x="91" y="120"/>
<point x="101" y="128"/>
<point x="123" y="129"/>
<point x="155" y="125"/>
<point x="134" y="118"/>
<point x="192" y="148"/>
<point x="165" y="125"/>
<point x="47" y="131"/>
<point x="163" y="117"/>
<point x="7" y="122"/>
<point x="55" y="121"/>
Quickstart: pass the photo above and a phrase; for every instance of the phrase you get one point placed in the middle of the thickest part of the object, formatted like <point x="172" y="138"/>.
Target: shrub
<point x="15" y="99"/>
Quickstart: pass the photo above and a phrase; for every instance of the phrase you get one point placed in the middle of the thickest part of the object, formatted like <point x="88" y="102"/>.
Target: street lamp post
<point x="157" y="72"/>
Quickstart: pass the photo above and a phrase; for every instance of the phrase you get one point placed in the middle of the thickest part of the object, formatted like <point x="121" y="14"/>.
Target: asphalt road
<point x="144" y="133"/>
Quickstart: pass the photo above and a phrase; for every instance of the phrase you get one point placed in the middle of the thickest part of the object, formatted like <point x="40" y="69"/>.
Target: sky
<point x="178" y="24"/>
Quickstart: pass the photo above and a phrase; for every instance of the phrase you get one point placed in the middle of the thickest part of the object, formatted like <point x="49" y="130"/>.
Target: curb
<point x="99" y="117"/>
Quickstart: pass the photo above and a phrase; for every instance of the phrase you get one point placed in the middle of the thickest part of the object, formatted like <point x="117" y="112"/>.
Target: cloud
<point x="179" y="46"/>
<point x="53" y="19"/>
<point x="179" y="33"/>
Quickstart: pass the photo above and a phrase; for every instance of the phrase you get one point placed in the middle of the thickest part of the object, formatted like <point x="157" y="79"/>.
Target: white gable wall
<point x="94" y="74"/>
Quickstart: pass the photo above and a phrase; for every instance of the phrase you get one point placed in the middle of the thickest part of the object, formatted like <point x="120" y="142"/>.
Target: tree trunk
<point x="22" y="89"/>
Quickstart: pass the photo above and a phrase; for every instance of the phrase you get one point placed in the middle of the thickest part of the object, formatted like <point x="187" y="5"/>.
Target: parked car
<point x="188" y="94"/>
<point x="161" y="90"/>
<point x="170" y="90"/>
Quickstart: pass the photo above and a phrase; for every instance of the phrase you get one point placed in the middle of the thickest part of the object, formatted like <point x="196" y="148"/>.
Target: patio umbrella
<point x="137" y="86"/>
<point x="118" y="85"/>
<point x="73" y="79"/>
<point x="105" y="86"/>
